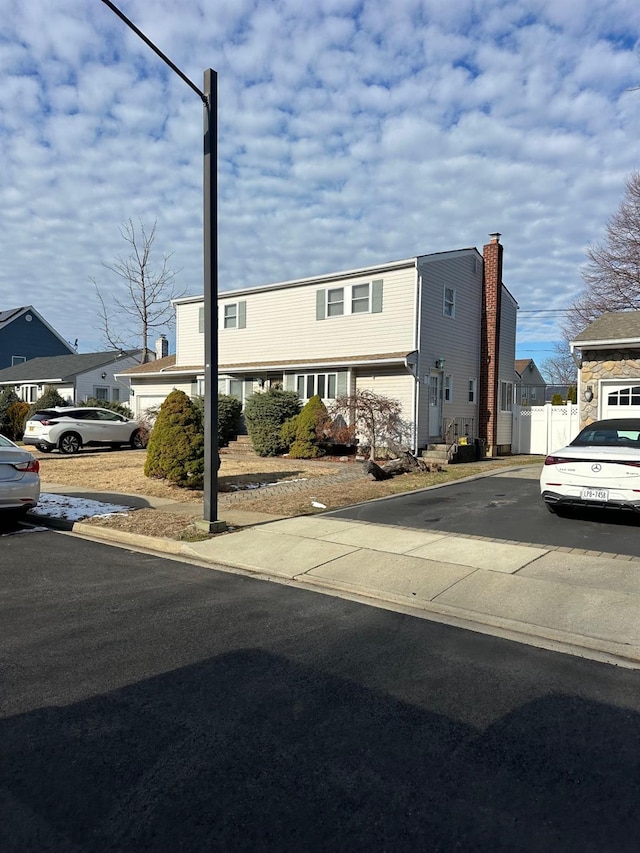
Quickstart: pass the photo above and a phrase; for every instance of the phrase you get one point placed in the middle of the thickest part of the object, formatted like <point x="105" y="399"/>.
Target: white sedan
<point x="19" y="478"/>
<point x="600" y="468"/>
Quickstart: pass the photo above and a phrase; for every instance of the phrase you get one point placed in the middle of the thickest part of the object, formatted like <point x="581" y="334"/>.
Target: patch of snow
<point x="74" y="509"/>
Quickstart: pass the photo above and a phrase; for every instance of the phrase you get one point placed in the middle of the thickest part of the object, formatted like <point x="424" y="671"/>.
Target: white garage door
<point x="148" y="401"/>
<point x="621" y="400"/>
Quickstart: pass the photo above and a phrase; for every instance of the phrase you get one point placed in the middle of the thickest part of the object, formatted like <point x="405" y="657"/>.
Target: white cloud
<point x="349" y="133"/>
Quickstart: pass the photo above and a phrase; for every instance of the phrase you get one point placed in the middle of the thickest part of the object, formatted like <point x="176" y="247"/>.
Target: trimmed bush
<point x="265" y="413"/>
<point x="7" y="398"/>
<point x="229" y="412"/>
<point x="556" y="400"/>
<point x="113" y="406"/>
<point x="49" y="398"/>
<point x="288" y="432"/>
<point x="15" y="420"/>
<point x="310" y="430"/>
<point x="176" y="446"/>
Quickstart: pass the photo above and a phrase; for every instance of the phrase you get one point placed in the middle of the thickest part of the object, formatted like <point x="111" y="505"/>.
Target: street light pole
<point x="209" y="99"/>
<point x="210" y="218"/>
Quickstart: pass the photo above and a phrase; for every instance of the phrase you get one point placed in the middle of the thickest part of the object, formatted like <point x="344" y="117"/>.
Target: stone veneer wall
<point x="605" y="364"/>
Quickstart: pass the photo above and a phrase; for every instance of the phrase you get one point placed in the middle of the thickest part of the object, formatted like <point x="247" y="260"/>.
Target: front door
<point x="435" y="405"/>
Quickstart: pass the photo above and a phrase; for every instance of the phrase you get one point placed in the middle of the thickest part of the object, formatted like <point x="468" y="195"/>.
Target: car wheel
<point x="137" y="440"/>
<point x="69" y="443"/>
<point x="44" y="448"/>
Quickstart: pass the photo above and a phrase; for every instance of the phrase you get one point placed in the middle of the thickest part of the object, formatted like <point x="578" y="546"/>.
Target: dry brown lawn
<point x="122" y="472"/>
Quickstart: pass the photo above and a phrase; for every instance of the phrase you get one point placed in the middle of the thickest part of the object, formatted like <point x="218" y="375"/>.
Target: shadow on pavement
<point x="249" y="751"/>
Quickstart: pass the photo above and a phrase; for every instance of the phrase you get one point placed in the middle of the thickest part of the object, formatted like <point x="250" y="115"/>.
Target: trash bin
<point x="481" y="448"/>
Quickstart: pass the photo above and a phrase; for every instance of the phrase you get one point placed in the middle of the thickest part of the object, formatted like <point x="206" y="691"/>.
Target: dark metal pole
<point x="210" y="218"/>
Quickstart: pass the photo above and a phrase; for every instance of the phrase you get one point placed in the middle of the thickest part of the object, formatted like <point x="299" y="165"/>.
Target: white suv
<point x="69" y="428"/>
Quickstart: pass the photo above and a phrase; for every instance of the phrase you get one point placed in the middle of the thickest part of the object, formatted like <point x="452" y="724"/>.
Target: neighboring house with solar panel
<point x="25" y="334"/>
<point x="608" y="354"/>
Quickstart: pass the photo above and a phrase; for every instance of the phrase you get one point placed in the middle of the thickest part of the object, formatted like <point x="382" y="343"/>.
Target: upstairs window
<point x="17" y="359"/>
<point x="473" y="384"/>
<point x="365" y="298"/>
<point x="360" y="301"/>
<point x="449" y="302"/>
<point x="231" y="316"/>
<point x="335" y="302"/>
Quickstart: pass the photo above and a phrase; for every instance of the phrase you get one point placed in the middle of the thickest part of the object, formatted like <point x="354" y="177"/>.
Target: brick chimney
<point x="489" y="399"/>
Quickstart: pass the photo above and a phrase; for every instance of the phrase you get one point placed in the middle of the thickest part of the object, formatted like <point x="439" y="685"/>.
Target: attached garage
<point x="620" y="400"/>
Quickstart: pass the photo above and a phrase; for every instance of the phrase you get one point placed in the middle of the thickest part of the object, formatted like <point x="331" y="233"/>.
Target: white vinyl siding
<point x="449" y="302"/>
<point x="506" y="357"/>
<point x="458" y="342"/>
<point x="288" y="329"/>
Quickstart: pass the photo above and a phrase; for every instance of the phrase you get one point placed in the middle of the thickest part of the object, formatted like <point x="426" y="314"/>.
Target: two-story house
<point x="25" y="334"/>
<point x="436" y="332"/>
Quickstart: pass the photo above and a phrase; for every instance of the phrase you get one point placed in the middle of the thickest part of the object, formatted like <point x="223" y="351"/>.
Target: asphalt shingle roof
<point x="612" y="326"/>
<point x="63" y="367"/>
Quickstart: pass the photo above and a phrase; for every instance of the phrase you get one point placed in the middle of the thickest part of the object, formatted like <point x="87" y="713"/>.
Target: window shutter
<point x="201" y="319"/>
<point x="376" y="296"/>
<point x="242" y="314"/>
<point x="320" y="304"/>
<point x="342" y="383"/>
<point x="289" y="382"/>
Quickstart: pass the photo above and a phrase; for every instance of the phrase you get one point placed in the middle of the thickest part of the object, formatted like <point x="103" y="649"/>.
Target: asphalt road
<point x="503" y="506"/>
<point x="149" y="704"/>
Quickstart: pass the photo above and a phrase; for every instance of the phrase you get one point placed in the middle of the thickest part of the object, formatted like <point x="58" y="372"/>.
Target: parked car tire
<point x="137" y="441"/>
<point x="70" y="442"/>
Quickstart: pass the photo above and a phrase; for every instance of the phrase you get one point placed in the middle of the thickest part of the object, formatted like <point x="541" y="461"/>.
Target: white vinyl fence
<point x="543" y="429"/>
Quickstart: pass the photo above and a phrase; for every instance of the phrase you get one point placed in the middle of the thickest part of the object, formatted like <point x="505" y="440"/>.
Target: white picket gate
<point x="543" y="429"/>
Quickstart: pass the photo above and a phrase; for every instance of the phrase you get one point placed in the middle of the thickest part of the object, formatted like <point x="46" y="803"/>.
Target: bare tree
<point x="127" y="321"/>
<point x="377" y="418"/>
<point x="560" y="368"/>
<point x="612" y="276"/>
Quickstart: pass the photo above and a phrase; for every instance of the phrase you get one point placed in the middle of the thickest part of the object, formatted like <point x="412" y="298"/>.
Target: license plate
<point x="595" y="494"/>
<point x="31" y="429"/>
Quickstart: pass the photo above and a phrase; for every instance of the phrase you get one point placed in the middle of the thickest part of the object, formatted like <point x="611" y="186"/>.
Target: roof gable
<point x="8" y="316"/>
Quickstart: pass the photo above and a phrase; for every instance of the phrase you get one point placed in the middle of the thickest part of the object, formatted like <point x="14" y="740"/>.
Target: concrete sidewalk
<point x="559" y="598"/>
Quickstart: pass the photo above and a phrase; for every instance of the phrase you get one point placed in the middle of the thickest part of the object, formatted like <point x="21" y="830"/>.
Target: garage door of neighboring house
<point x="620" y="400"/>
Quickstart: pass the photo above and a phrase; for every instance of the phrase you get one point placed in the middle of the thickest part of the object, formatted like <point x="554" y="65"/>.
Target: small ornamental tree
<point x="265" y="414"/>
<point x="377" y="419"/>
<point x="176" y="446"/>
<point x="49" y="399"/>
<point x="229" y="412"/>
<point x="556" y="400"/>
<point x="311" y="424"/>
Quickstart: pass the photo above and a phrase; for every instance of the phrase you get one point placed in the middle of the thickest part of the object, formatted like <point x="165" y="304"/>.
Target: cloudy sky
<point x="351" y="132"/>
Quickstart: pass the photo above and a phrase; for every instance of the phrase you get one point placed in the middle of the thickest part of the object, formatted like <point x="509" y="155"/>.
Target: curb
<point x="512" y="630"/>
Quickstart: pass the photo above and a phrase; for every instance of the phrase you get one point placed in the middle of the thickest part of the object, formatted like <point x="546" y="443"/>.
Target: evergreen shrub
<point x="311" y="424"/>
<point x="175" y="451"/>
<point x="15" y="420"/>
<point x="556" y="400"/>
<point x="113" y="406"/>
<point x="8" y="397"/>
<point x="229" y="413"/>
<point x="49" y="399"/>
<point x="265" y="413"/>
